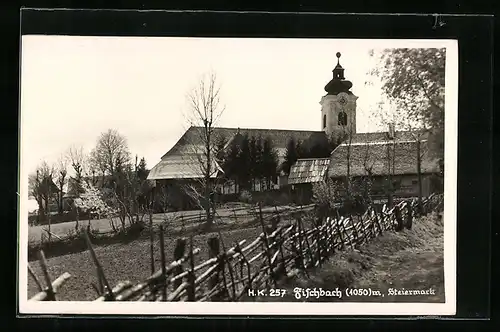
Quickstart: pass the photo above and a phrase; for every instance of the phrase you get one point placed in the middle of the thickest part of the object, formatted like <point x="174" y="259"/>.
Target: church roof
<point x="192" y="140"/>
<point x="338" y="83"/>
<point x="370" y="151"/>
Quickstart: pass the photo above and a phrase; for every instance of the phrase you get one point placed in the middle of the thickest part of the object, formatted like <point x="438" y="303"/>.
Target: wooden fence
<point x="280" y="251"/>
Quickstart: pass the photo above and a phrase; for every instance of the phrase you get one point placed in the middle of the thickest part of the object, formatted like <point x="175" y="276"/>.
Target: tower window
<point x="342" y="118"/>
<point x="324" y="121"/>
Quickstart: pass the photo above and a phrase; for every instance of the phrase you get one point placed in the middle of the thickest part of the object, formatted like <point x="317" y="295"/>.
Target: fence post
<point x="338" y="221"/>
<point x="266" y="244"/>
<point x="296" y="248"/>
<point x="330" y="238"/>
<point x="309" y="250"/>
<point x="356" y="235"/>
<point x="319" y="244"/>
<point x="214" y="251"/>
<point x="151" y="242"/>
<point x="409" y="216"/>
<point x="191" y="291"/>
<point x="180" y="248"/>
<point x="51" y="296"/>
<point x="275" y="239"/>
<point x="100" y="271"/>
<point x="163" y="264"/>
<point x="282" y="253"/>
<point x="347" y="234"/>
<point x="399" y="219"/>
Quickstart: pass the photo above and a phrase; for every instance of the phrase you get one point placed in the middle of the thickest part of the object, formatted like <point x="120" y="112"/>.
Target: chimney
<point x="391" y="131"/>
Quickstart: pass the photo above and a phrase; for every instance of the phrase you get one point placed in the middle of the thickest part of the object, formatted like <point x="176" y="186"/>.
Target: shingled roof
<point x="192" y="140"/>
<point x="308" y="170"/>
<point x="370" y="151"/>
<point x="181" y="167"/>
<point x="176" y="163"/>
<point x="382" y="136"/>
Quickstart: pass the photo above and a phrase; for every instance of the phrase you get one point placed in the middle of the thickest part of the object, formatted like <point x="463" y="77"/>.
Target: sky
<point x="74" y="88"/>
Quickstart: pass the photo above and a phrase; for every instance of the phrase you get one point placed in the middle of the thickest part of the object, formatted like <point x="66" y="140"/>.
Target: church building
<point x="391" y="159"/>
<point x="378" y="154"/>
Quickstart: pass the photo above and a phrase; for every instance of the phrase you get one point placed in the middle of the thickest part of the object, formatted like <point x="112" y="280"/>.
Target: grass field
<point x="412" y="259"/>
<point x="122" y="262"/>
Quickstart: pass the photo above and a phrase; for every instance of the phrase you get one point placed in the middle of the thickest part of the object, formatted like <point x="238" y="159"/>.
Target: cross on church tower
<point x="338" y="106"/>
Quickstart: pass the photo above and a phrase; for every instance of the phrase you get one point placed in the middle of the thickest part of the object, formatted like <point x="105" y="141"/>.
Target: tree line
<point x="109" y="167"/>
<point x="249" y="160"/>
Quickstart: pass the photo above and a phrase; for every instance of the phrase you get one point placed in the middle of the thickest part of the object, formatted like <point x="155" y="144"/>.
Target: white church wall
<point x="331" y="107"/>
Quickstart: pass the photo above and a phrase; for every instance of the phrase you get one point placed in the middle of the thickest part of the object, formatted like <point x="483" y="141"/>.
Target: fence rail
<point x="278" y="252"/>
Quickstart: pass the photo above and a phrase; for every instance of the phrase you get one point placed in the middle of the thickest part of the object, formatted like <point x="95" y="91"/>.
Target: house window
<point x="342" y="118"/>
<point x="324" y="121"/>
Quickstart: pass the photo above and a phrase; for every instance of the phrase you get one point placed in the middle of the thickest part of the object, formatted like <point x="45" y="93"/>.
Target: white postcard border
<point x="283" y="308"/>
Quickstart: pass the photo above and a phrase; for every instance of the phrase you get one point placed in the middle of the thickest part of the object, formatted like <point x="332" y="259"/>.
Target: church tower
<point x="338" y="106"/>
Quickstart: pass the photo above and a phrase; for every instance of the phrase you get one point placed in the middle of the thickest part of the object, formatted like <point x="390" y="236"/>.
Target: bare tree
<point x="76" y="158"/>
<point x="391" y="161"/>
<point x="79" y="164"/>
<point x="368" y="163"/>
<point x="111" y="159"/>
<point x="111" y="151"/>
<point x="205" y="110"/>
<point x="413" y="79"/>
<point x="348" y="135"/>
<point x="391" y="119"/>
<point x="418" y="130"/>
<point x="42" y="188"/>
<point x="61" y="178"/>
<point x="419" y="135"/>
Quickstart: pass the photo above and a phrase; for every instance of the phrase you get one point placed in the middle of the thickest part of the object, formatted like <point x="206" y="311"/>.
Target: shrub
<point x="245" y="196"/>
<point x="325" y="194"/>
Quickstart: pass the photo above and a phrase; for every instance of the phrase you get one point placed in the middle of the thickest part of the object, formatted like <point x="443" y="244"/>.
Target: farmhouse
<point x="387" y="157"/>
<point x="183" y="164"/>
<point x="392" y="159"/>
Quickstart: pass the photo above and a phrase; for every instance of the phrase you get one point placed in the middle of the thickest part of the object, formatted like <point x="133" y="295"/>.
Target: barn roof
<point x="382" y="136"/>
<point x="182" y="160"/>
<point x="308" y="170"/>
<point x="370" y="151"/>
<point x="188" y="166"/>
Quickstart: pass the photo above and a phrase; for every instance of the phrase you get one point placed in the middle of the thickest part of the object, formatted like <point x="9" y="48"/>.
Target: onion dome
<point x="338" y="83"/>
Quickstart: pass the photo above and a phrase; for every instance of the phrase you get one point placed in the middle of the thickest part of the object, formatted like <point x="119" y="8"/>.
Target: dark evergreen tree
<point x="252" y="149"/>
<point x="291" y="155"/>
<point x="302" y="150"/>
<point x="269" y="161"/>
<point x="244" y="166"/>
<point x="142" y="171"/>
<point x="220" y="144"/>
<point x="258" y="160"/>
<point x="231" y="163"/>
